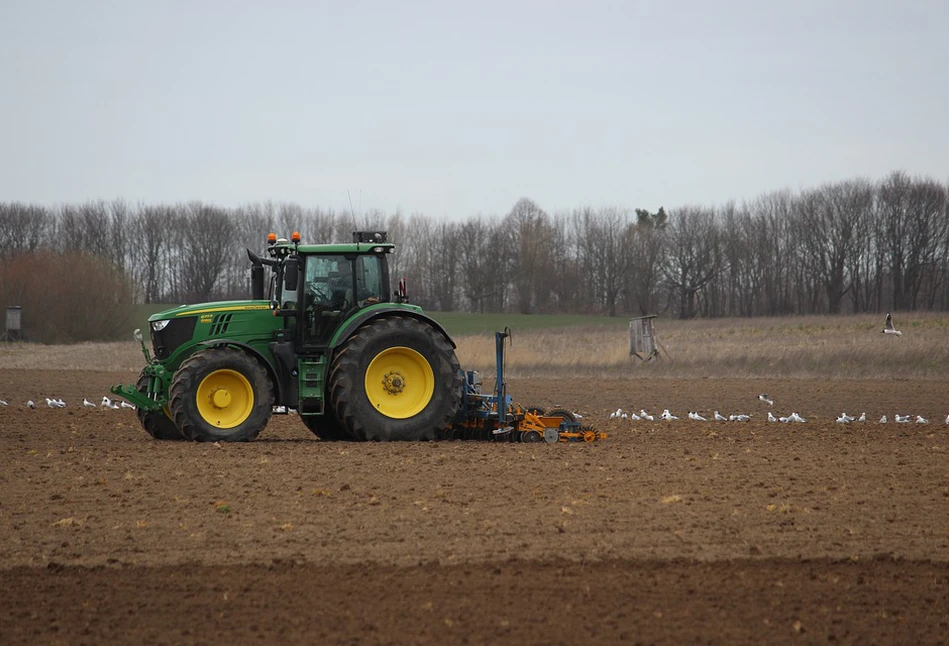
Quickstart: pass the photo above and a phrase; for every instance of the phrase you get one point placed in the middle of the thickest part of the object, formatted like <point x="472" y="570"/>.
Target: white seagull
<point x="843" y="419"/>
<point x="125" y="404"/>
<point x="634" y="417"/>
<point x="794" y="417"/>
<point x="902" y="419"/>
<point x="3" y="403"/>
<point x="719" y="417"/>
<point x="888" y="326"/>
<point x="862" y="418"/>
<point x="106" y="402"/>
<point x="883" y="420"/>
<point x="921" y="420"/>
<point x="87" y="403"/>
<point x="666" y="415"/>
<point x="31" y="404"/>
<point x="766" y="399"/>
<point x="947" y="419"/>
<point x="52" y="403"/>
<point x="645" y="415"/>
<point x="738" y="418"/>
<point x="771" y="417"/>
<point x="698" y="418"/>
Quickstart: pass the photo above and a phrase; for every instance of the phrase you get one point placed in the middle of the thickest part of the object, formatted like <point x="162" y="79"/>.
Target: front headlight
<point x="158" y="326"/>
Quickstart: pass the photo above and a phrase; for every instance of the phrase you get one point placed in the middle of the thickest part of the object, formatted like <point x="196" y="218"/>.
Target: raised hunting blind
<point x="13" y="330"/>
<point x="642" y="338"/>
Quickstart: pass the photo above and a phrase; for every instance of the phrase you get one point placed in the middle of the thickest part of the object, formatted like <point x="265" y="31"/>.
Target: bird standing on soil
<point x="30" y="404"/>
<point x="643" y="414"/>
<point x="3" y="403"/>
<point x="888" y="326"/>
<point x="719" y="417"/>
<point x="883" y="420"/>
<point x="666" y="415"/>
<point x="87" y="403"/>
<point x="921" y="420"/>
<point x="698" y="418"/>
<point x="125" y="404"/>
<point x="862" y="418"/>
<point x="771" y="417"/>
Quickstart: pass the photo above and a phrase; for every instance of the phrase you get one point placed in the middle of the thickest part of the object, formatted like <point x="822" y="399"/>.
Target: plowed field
<point x="666" y="532"/>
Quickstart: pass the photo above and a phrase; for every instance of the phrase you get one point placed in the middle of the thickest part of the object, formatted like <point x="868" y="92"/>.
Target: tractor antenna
<point x="349" y="193"/>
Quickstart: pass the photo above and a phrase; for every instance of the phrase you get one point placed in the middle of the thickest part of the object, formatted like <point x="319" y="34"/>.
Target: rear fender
<point x="381" y="312"/>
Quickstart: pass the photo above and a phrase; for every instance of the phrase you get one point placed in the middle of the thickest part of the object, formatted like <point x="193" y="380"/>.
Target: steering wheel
<point x="318" y="291"/>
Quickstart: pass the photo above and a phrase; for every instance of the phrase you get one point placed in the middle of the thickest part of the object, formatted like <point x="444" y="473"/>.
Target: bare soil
<point x="666" y="532"/>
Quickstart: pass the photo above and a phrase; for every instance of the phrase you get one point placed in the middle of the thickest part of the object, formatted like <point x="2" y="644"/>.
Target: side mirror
<point x="291" y="275"/>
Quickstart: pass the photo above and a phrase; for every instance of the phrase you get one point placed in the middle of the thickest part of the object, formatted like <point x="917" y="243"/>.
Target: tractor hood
<point x="183" y="327"/>
<point x="209" y="308"/>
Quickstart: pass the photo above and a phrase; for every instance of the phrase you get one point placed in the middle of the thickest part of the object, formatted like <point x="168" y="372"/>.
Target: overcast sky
<point x="457" y="108"/>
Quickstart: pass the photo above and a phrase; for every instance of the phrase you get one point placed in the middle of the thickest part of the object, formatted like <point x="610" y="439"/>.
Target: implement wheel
<point x="396" y="378"/>
<point x="221" y="394"/>
<point x="156" y="423"/>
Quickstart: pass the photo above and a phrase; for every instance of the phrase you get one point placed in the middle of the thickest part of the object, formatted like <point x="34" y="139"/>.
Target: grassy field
<point x="842" y="347"/>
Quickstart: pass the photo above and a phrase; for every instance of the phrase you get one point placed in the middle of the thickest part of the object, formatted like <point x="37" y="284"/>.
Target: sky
<point x="455" y="109"/>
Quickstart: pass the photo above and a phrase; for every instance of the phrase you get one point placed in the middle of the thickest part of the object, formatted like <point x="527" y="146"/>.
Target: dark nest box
<point x="642" y="338"/>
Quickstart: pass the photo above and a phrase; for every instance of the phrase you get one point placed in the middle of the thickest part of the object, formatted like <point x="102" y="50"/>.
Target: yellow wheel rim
<point x="225" y="398"/>
<point x="399" y="382"/>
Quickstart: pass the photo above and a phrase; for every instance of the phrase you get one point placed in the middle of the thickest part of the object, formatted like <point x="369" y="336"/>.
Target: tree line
<point x="849" y="246"/>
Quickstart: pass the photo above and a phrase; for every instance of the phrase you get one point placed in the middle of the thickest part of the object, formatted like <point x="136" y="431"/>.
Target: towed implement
<point x="328" y="338"/>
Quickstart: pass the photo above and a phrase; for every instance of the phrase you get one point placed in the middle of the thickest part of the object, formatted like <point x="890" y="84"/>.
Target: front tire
<point x="156" y="423"/>
<point x="396" y="378"/>
<point x="221" y="395"/>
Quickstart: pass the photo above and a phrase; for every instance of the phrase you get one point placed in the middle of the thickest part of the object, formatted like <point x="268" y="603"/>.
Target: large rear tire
<point x="156" y="423"/>
<point x="396" y="378"/>
<point x="326" y="427"/>
<point x="221" y="395"/>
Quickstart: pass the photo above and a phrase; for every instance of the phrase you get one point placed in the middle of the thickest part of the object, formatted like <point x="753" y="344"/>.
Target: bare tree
<point x="694" y="256"/>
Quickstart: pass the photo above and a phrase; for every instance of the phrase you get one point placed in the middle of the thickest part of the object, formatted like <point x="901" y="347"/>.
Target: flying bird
<point x="766" y="399"/>
<point x="888" y="326"/>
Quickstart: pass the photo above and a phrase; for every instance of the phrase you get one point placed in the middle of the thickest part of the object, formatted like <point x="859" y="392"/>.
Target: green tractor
<point x="329" y="339"/>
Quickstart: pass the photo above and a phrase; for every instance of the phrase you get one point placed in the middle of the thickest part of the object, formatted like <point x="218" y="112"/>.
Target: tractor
<point x="328" y="340"/>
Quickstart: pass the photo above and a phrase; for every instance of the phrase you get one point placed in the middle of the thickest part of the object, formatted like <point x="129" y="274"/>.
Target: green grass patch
<point x="463" y="324"/>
